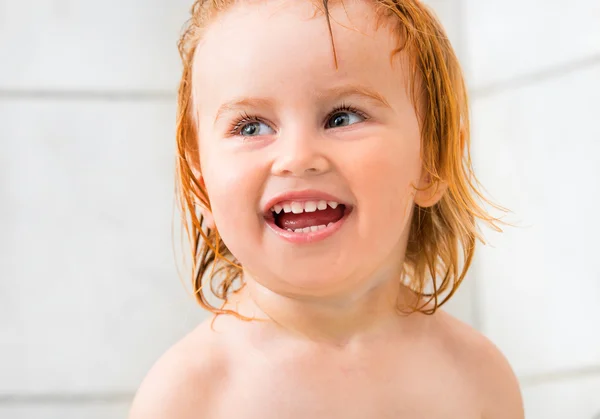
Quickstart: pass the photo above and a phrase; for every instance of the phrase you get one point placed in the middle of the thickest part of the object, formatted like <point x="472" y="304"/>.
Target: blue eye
<point x="250" y="126"/>
<point x="344" y="116"/>
<point x="253" y="129"/>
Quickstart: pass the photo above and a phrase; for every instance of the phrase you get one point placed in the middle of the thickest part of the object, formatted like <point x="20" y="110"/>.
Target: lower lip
<point x="311" y="237"/>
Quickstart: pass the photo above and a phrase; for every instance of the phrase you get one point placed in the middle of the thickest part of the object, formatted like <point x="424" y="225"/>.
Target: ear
<point x="429" y="193"/>
<point x="209" y="220"/>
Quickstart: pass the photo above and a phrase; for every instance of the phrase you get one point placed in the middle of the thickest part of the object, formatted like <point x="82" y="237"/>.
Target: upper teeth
<point x="306" y="206"/>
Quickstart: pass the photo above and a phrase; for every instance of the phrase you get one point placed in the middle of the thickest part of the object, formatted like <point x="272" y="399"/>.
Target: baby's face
<point x="281" y="129"/>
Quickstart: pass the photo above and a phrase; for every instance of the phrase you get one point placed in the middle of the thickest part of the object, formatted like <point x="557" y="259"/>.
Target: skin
<point x="328" y="340"/>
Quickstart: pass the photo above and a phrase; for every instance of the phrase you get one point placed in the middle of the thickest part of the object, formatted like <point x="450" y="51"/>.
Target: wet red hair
<point x="442" y="237"/>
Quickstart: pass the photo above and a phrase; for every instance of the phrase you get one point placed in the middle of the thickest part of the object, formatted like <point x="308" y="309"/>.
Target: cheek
<point x="233" y="185"/>
<point x="385" y="180"/>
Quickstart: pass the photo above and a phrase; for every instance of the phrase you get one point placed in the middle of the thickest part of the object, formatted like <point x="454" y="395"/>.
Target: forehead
<point x="267" y="48"/>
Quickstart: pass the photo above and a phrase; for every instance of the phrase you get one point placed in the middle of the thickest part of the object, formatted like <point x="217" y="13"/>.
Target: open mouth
<point x="309" y="216"/>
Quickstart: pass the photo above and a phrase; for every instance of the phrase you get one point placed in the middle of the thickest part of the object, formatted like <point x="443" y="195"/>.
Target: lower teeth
<point x="309" y="229"/>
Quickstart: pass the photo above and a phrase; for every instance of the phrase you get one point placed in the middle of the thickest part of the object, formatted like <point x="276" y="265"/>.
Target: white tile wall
<point x="536" y="150"/>
<point x="511" y="38"/>
<point x="570" y="399"/>
<point x="90" y="295"/>
<point x="90" y="45"/>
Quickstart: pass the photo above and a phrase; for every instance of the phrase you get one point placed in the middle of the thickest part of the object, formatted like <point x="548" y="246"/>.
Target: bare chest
<point x="319" y="388"/>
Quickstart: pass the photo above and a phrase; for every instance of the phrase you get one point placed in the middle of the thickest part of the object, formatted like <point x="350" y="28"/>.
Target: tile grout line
<point x="532" y="380"/>
<point x="87" y="95"/>
<point x="132" y="95"/>
<point x="536" y="77"/>
<point x="64" y="398"/>
<point x="126" y="397"/>
<point x="476" y="311"/>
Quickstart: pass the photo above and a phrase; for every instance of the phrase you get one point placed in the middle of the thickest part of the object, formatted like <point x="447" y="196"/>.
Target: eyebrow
<point x="241" y="103"/>
<point x="355" y="90"/>
<point x="335" y="93"/>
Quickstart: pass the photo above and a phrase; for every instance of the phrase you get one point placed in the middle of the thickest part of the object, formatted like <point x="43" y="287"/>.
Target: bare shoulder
<point x="486" y="366"/>
<point x="183" y="382"/>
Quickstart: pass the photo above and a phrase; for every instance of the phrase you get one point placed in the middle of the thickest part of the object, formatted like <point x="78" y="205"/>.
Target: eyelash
<point x="246" y="118"/>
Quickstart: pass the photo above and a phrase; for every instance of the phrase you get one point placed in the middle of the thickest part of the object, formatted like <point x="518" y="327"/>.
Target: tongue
<point x="309" y="219"/>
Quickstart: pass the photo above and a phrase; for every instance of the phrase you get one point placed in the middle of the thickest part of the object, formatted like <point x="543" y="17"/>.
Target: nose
<point x="300" y="153"/>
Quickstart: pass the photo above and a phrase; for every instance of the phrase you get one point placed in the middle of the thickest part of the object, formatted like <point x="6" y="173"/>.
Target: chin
<point x="305" y="282"/>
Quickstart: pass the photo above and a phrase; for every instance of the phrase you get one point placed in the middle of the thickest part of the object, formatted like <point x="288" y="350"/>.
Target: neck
<point x="355" y="317"/>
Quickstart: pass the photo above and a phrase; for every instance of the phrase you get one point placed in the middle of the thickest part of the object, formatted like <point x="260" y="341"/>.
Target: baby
<point x="325" y="178"/>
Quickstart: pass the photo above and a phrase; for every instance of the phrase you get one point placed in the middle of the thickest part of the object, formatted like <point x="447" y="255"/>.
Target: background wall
<point x="534" y="72"/>
<point x="89" y="291"/>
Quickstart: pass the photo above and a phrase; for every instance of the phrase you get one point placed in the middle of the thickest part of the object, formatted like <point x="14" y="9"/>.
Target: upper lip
<point x="300" y="196"/>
